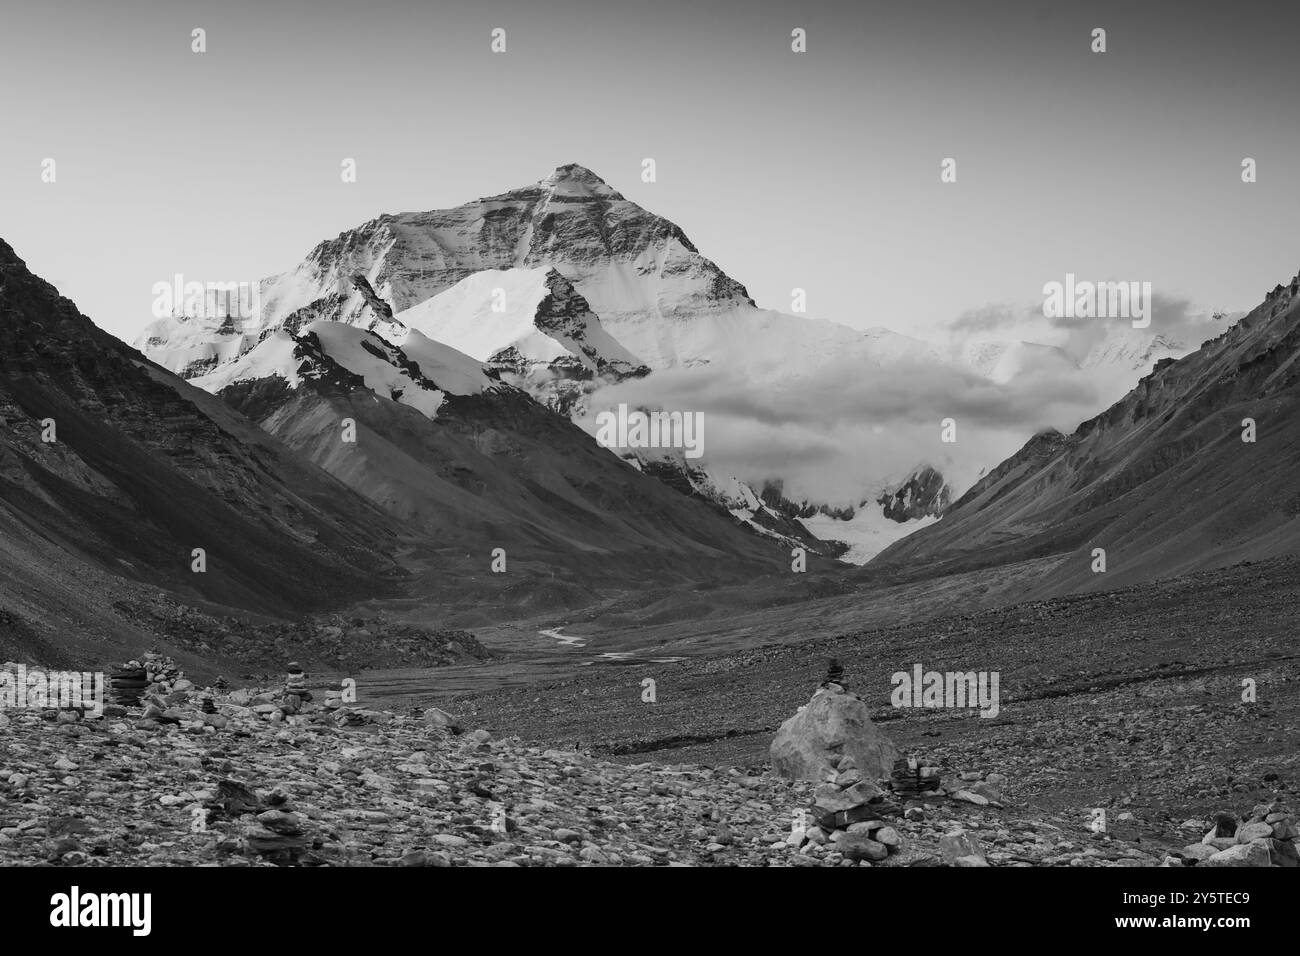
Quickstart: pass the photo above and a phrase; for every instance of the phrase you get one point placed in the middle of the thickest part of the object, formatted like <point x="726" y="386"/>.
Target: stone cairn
<point x="914" y="778"/>
<point x="128" y="682"/>
<point x="295" y="688"/>
<point x="852" y="814"/>
<point x="1267" y="836"/>
<point x="276" y="833"/>
<point x="153" y="674"/>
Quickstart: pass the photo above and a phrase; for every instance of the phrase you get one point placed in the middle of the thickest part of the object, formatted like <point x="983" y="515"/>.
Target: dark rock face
<point x="772" y="494"/>
<point x="925" y="493"/>
<point x="566" y="312"/>
<point x="144" y="468"/>
<point x="381" y="308"/>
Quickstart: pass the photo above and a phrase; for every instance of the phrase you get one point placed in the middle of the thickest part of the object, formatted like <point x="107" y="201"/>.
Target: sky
<point x="817" y="170"/>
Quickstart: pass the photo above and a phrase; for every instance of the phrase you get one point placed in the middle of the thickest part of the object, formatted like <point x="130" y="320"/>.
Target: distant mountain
<point x="925" y="494"/>
<point x="1162" y="480"/>
<point x="565" y="287"/>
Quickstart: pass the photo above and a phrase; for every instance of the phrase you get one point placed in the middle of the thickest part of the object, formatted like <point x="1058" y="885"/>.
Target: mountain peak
<point x="573" y="172"/>
<point x="572" y="179"/>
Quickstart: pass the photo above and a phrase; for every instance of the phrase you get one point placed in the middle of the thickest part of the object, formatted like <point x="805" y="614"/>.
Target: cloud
<point x="1177" y="320"/>
<point x="844" y="428"/>
<point x="992" y="318"/>
<point x="840" y="433"/>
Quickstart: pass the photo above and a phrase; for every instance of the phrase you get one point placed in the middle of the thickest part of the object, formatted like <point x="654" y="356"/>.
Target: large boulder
<point x="1243" y="854"/>
<point x="832" y="725"/>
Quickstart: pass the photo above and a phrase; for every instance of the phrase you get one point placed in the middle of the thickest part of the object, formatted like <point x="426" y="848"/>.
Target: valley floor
<point x="1128" y="701"/>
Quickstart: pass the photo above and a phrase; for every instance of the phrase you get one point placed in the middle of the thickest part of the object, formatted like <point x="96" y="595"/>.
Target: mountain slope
<point x="143" y="469"/>
<point x="478" y="471"/>
<point x="1162" y="480"/>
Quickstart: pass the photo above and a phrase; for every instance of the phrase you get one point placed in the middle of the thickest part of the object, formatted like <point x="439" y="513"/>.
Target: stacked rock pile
<point x="295" y="688"/>
<point x="916" y="778"/>
<point x="153" y="674"/>
<point x="128" y="682"/>
<point x="165" y="673"/>
<point x="1267" y="836"/>
<point x="851" y="815"/>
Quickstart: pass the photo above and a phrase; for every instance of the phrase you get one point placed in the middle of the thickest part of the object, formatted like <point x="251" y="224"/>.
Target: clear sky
<point x="818" y="170"/>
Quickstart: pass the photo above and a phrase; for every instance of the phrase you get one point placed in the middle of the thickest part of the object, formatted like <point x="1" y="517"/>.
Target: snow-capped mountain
<point x="565" y="287"/>
<point x="1136" y="350"/>
<point x="631" y="266"/>
<point x="420" y="373"/>
<point x="616" y="287"/>
<point x="530" y="326"/>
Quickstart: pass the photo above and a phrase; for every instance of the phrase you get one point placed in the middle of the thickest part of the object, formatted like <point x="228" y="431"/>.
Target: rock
<point x="866" y="826"/>
<point x="234" y="799"/>
<point x="968" y="797"/>
<point x="958" y="845"/>
<point x="1282" y="852"/>
<point x="1199" y="851"/>
<point x="831" y="726"/>
<point x="1243" y="854"/>
<point x="440" y="719"/>
<point x="859" y="846"/>
<point x="889" y="837"/>
<point x="987" y="791"/>
<point x="1225" y="824"/>
<point x="844" y="819"/>
<point x="278" y="821"/>
<point x="1254" y="831"/>
<point x="283" y="849"/>
<point x="593" y="855"/>
<point x="848" y="778"/>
